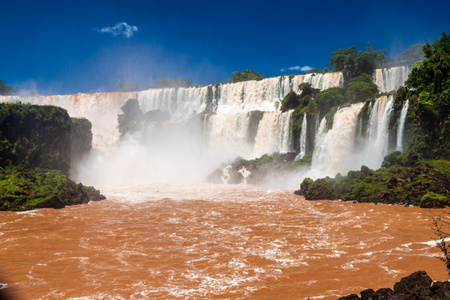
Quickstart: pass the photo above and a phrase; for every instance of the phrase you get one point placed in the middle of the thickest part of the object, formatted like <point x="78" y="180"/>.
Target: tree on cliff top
<point x="246" y="75"/>
<point x="7" y="89"/>
<point x="354" y="62"/>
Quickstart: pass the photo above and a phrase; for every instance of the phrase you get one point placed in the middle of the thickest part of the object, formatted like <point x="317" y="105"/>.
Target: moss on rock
<point x="403" y="179"/>
<point x="24" y="189"/>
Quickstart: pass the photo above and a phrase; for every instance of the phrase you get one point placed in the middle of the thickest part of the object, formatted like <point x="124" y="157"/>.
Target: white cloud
<point x="297" y="68"/>
<point x="120" y="28"/>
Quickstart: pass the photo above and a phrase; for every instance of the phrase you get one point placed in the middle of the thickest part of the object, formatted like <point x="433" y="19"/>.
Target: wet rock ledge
<point x="418" y="285"/>
<point x="25" y="189"/>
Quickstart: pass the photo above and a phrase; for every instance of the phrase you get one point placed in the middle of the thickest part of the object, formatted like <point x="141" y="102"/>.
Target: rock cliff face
<point x="37" y="144"/>
<point x="41" y="136"/>
<point x="34" y="136"/>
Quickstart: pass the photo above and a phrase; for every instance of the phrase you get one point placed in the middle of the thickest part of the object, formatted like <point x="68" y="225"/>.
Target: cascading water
<point x="333" y="148"/>
<point x="390" y="79"/>
<point x="216" y="123"/>
<point x="401" y="126"/>
<point x="274" y="134"/>
<point x="376" y="145"/>
<point x="302" y="139"/>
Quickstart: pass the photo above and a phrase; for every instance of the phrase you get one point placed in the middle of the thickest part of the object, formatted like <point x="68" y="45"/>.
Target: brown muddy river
<point x="206" y="241"/>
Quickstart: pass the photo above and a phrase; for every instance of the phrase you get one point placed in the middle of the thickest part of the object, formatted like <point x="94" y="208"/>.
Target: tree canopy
<point x="431" y="79"/>
<point x="7" y="89"/>
<point x="354" y="62"/>
<point x="428" y="91"/>
<point x="246" y="75"/>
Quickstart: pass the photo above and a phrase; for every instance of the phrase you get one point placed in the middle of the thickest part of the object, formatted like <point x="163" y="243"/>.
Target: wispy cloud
<point x="120" y="28"/>
<point x="297" y="68"/>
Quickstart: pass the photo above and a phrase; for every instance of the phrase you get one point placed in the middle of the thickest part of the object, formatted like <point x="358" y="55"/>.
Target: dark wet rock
<point x="350" y="297"/>
<point x="418" y="285"/>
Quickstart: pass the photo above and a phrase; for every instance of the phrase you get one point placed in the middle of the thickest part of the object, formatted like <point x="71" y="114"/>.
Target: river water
<point x="212" y="241"/>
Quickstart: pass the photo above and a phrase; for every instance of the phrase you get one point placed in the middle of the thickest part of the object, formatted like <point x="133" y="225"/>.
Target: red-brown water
<point x="212" y="242"/>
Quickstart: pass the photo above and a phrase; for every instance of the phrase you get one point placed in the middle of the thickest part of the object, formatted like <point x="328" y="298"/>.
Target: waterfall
<point x="334" y="148"/>
<point x="302" y="139"/>
<point x="215" y="123"/>
<point x="390" y="79"/>
<point x="376" y="145"/>
<point x="401" y="126"/>
<point x="274" y="134"/>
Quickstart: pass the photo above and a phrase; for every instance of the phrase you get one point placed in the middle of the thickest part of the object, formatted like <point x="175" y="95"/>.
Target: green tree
<point x="331" y="97"/>
<point x="428" y="90"/>
<point x="5" y="89"/>
<point x="354" y="62"/>
<point x="361" y="88"/>
<point x="431" y="80"/>
<point x="342" y="59"/>
<point x="246" y="75"/>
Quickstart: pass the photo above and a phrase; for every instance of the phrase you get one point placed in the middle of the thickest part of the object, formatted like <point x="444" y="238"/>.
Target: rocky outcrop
<point x="418" y="285"/>
<point x="37" y="145"/>
<point x="23" y="189"/>
<point x="256" y="169"/>
<point x="402" y="179"/>
<point x="34" y="136"/>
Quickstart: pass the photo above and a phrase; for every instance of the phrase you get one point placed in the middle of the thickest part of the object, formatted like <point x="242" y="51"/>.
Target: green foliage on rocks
<point x="361" y="88"/>
<point x="260" y="168"/>
<point x="246" y="75"/>
<point x="36" y="145"/>
<point x="34" y="136"/>
<point x="320" y="189"/>
<point x="24" y="189"/>
<point x="402" y="179"/>
<point x="428" y="90"/>
<point x="432" y="200"/>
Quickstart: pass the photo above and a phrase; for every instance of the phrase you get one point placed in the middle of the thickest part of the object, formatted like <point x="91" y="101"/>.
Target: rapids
<point x="212" y="241"/>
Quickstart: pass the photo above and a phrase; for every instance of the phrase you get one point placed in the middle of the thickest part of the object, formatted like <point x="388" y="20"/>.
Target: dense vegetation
<point x="428" y="90"/>
<point x="34" y="136"/>
<point x="408" y="178"/>
<point x="402" y="179"/>
<point x="246" y="75"/>
<point x="24" y="189"/>
<point x="36" y="145"/>
<point x="353" y="63"/>
<point x="7" y="89"/>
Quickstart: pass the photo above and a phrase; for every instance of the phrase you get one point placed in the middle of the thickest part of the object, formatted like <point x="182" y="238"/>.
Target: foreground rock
<point x="255" y="170"/>
<point x="402" y="179"/>
<point x="24" y="189"/>
<point x="418" y="285"/>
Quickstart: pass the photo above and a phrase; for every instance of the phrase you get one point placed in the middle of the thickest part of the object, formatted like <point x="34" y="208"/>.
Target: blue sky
<point x="64" y="47"/>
